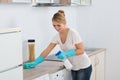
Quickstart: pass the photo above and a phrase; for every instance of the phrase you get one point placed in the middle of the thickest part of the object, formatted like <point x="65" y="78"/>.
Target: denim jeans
<point x="82" y="74"/>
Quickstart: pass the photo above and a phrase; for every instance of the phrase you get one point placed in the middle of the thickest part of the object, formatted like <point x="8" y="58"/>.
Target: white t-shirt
<point x="80" y="61"/>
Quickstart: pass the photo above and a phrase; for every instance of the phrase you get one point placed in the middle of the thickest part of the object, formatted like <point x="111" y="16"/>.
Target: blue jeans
<point x="82" y="74"/>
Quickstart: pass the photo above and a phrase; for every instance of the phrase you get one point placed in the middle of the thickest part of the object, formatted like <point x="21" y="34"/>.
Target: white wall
<point x="98" y="25"/>
<point x="35" y="23"/>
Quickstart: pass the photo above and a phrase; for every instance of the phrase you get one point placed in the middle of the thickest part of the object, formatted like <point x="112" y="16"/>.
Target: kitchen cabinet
<point x="100" y="66"/>
<point x="13" y="74"/>
<point x="11" y="54"/>
<point x="44" y="77"/>
<point x="51" y="2"/>
<point x="98" y="61"/>
<point x="30" y="1"/>
<point x="74" y="2"/>
<point x="93" y="67"/>
<point x="22" y="1"/>
<point x="5" y="1"/>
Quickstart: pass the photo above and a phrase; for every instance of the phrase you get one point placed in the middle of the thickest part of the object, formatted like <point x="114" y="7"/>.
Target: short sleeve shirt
<point x="73" y="38"/>
<point x="80" y="61"/>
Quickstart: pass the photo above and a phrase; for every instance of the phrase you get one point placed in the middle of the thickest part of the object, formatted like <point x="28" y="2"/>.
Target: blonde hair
<point x="59" y="17"/>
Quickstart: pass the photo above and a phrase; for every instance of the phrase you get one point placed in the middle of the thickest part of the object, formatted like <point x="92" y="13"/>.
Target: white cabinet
<point x="5" y="1"/>
<point x="22" y="1"/>
<point x="81" y="2"/>
<point x="98" y="66"/>
<point x="44" y="77"/>
<point x="10" y="50"/>
<point x="11" y="54"/>
<point x="73" y="2"/>
<point x="29" y="1"/>
<point x="44" y="1"/>
<point x="13" y="74"/>
<point x="93" y="67"/>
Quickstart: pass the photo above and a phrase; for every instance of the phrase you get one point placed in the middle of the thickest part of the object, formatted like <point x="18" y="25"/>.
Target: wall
<point x="98" y="25"/>
<point x="35" y="23"/>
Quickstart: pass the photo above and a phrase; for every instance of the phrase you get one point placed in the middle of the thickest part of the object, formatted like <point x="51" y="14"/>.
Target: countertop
<point x="9" y="30"/>
<point x="43" y="68"/>
<point x="52" y="66"/>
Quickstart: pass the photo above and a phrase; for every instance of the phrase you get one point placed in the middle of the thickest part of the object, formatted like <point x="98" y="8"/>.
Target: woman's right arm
<point x="48" y="49"/>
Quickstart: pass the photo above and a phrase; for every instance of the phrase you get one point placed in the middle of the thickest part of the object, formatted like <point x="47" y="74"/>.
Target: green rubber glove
<point x="63" y="55"/>
<point x="30" y="65"/>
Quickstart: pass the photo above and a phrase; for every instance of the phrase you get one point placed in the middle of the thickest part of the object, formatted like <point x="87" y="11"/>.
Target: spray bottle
<point x="66" y="62"/>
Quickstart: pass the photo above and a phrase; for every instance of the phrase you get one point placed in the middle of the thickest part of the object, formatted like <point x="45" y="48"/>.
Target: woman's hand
<point x="30" y="65"/>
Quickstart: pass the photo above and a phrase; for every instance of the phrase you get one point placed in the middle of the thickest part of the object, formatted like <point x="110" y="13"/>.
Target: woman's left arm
<point x="79" y="48"/>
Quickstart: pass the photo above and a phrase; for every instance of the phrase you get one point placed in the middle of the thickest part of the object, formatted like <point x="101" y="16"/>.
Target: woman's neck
<point x="64" y="30"/>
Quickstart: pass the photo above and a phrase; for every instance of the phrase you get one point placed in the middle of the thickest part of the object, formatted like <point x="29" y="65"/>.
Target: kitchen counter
<point x="93" y="51"/>
<point x="53" y="66"/>
<point x="43" y="68"/>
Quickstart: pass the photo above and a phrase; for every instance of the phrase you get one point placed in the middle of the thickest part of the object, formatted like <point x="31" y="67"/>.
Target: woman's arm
<point x="48" y="49"/>
<point x="79" y="48"/>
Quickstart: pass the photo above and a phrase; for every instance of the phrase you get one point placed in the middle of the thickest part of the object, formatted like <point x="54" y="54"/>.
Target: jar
<point x="31" y="47"/>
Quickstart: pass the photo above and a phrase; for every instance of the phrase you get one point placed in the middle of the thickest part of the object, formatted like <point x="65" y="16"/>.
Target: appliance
<point x="11" y="54"/>
<point x="60" y="75"/>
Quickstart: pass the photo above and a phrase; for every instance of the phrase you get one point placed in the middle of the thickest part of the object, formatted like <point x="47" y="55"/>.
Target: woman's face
<point x="58" y="26"/>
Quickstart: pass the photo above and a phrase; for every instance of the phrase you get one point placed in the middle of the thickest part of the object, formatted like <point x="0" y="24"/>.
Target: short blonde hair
<point x="59" y="17"/>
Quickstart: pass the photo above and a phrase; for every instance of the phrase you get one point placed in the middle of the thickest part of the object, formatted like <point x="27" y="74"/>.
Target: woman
<point x="72" y="46"/>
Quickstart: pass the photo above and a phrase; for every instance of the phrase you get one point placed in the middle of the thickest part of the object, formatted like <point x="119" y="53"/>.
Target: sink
<point x="90" y="50"/>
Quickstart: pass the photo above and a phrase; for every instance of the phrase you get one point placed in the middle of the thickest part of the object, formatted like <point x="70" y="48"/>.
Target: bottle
<point x="66" y="62"/>
<point x="31" y="45"/>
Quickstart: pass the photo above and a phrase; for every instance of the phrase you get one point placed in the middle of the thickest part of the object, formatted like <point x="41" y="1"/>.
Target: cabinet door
<point x="5" y="1"/>
<point x="44" y="77"/>
<point x="82" y="2"/>
<point x="10" y="50"/>
<point x="76" y="2"/>
<point x="100" y="66"/>
<point x="93" y="67"/>
<point x="29" y="1"/>
<point x="13" y="74"/>
<point x="22" y="1"/>
<point x="44" y="1"/>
